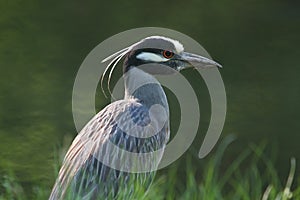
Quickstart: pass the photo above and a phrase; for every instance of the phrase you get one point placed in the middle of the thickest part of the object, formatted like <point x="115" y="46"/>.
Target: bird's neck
<point x="144" y="87"/>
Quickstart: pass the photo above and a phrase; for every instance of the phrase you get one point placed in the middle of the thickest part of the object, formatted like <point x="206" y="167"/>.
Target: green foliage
<point x="252" y="175"/>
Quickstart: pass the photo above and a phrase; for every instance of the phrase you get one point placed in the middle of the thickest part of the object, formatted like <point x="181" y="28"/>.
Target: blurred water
<point x="42" y="44"/>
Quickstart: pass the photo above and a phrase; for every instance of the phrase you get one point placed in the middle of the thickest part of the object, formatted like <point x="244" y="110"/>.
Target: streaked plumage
<point x="82" y="173"/>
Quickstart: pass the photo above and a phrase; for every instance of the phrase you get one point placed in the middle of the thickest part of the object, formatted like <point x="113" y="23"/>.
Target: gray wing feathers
<point x="101" y="128"/>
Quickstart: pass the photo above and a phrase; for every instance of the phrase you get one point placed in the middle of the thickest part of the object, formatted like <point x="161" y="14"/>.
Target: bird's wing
<point x="102" y="128"/>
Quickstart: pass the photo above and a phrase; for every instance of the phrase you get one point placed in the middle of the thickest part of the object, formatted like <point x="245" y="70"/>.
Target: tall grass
<point x="251" y="176"/>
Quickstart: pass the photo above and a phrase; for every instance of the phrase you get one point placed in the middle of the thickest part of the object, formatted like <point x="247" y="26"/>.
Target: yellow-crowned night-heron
<point x="87" y="172"/>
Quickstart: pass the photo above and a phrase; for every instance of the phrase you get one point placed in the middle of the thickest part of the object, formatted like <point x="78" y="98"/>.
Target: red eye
<point x="168" y="54"/>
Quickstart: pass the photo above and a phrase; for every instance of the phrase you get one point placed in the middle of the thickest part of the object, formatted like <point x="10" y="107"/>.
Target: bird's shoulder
<point x="104" y="123"/>
<point x="115" y="112"/>
<point x="97" y="131"/>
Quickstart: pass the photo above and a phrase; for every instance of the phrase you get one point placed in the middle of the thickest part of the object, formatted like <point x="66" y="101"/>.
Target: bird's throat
<point x="144" y="87"/>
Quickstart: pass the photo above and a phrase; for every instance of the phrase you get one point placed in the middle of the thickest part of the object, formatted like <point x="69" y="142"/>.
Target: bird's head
<point x="156" y="55"/>
<point x="160" y="50"/>
<point x="165" y="51"/>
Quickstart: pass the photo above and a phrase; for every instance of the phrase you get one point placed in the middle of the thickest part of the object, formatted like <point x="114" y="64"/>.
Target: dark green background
<point x="42" y="44"/>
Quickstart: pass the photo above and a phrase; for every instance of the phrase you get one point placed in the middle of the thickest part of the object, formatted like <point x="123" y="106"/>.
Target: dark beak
<point x="194" y="60"/>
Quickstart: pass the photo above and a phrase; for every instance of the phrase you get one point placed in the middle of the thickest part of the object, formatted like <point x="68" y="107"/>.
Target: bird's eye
<point x="168" y="54"/>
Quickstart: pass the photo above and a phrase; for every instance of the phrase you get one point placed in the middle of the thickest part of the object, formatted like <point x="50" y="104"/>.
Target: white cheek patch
<point x="147" y="56"/>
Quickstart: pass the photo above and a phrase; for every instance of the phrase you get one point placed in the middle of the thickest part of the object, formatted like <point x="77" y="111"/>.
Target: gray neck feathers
<point x="144" y="87"/>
